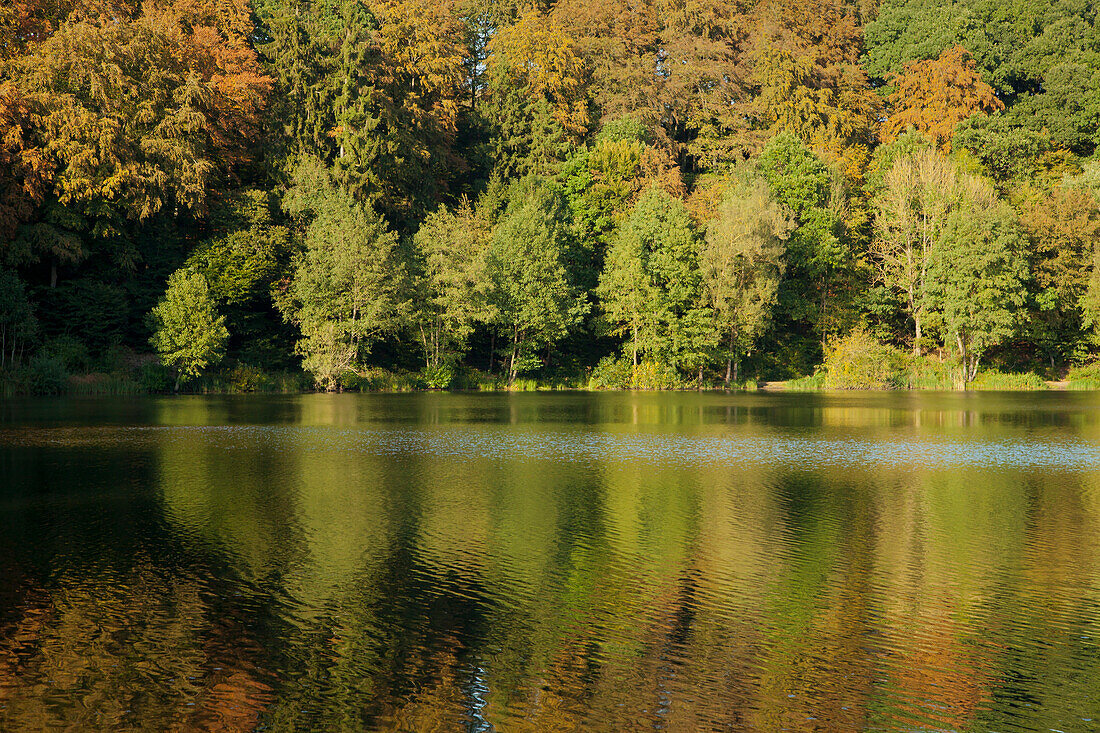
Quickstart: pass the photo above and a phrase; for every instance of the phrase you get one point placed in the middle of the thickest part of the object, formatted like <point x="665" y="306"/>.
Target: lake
<point x="552" y="562"/>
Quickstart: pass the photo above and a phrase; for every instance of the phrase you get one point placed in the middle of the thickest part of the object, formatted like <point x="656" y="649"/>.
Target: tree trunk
<point x="729" y="361"/>
<point x="634" y="343"/>
<point x="492" y="349"/>
<point x="53" y="273"/>
<point x="512" y="364"/>
<point x="916" y="338"/>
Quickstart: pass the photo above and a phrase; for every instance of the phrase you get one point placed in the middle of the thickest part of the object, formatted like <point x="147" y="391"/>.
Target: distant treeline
<point x="651" y="193"/>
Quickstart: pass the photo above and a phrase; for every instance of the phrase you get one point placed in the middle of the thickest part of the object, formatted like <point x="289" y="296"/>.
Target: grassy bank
<point x="857" y="362"/>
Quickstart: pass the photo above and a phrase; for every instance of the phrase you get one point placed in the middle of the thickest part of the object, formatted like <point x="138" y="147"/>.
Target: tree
<point x="934" y="96"/>
<point x="651" y="283"/>
<point x="627" y="294"/>
<point x="17" y="322"/>
<point x="142" y="113"/>
<point x="348" y="286"/>
<point x="533" y="294"/>
<point x="397" y="81"/>
<point x="188" y="333"/>
<point x="24" y="168"/>
<point x="538" y="101"/>
<point x="919" y="192"/>
<point x="976" y="281"/>
<point x="742" y="262"/>
<point x="818" y="251"/>
<point x="247" y="257"/>
<point x="452" y="281"/>
<point x="1062" y="227"/>
<point x="604" y="180"/>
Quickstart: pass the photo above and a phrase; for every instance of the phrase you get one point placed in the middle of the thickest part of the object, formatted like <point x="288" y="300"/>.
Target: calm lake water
<point x="551" y="562"/>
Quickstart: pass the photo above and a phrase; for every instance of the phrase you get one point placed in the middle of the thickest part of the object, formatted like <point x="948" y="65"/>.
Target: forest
<point x="235" y="195"/>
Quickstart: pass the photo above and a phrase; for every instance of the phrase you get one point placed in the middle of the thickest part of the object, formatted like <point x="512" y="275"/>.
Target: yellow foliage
<point x="538" y="56"/>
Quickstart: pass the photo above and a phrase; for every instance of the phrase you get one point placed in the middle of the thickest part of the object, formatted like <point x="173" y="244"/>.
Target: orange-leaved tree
<point x="934" y="95"/>
<point x="141" y="113"/>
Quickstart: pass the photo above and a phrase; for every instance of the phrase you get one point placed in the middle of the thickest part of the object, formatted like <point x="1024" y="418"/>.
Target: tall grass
<point x="995" y="380"/>
<point x="1084" y="377"/>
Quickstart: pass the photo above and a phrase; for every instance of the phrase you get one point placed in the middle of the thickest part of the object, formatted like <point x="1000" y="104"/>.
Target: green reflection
<point x="553" y="562"/>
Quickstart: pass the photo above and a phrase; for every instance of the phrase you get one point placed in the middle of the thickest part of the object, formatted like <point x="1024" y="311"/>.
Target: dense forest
<point x="609" y="193"/>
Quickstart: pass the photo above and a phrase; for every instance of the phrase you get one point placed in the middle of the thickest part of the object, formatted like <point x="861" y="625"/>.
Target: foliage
<point x="976" y="282"/>
<point x="17" y="321"/>
<point x="705" y="186"/>
<point x="535" y="302"/>
<point x="45" y="376"/>
<point x="188" y="333"/>
<point x="348" y="286"/>
<point x="818" y="252"/>
<point x="452" y="282"/>
<point x="742" y="263"/>
<point x="651" y="284"/>
<point x="144" y="113"/>
<point x="934" y="96"/>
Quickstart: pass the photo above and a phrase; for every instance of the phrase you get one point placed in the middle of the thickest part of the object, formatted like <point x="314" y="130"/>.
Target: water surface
<point x="551" y="562"/>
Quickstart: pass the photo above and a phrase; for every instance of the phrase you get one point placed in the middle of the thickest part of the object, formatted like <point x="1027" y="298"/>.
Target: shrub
<point x="813" y="383"/>
<point x="46" y="375"/>
<point x="611" y="373"/>
<point x="244" y="378"/>
<point x="439" y="377"/>
<point x="654" y="375"/>
<point x="859" y="361"/>
<point x="71" y="353"/>
<point x="154" y="377"/>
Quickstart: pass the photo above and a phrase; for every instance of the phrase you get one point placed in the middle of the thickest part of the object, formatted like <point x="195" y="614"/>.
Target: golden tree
<point x="933" y="96"/>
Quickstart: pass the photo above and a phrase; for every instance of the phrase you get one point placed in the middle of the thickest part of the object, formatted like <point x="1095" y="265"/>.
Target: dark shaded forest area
<point x="354" y="194"/>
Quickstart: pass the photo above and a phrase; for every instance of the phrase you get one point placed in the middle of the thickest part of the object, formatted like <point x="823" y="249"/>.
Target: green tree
<point x="451" y="282"/>
<point x="349" y="284"/>
<point x="919" y="192"/>
<point x="243" y="262"/>
<point x="188" y="333"/>
<point x="627" y="294"/>
<point x="17" y="322"/>
<point x="533" y="293"/>
<point x="976" y="281"/>
<point x="651" y="285"/>
<point x="819" y="254"/>
<point x="742" y="262"/>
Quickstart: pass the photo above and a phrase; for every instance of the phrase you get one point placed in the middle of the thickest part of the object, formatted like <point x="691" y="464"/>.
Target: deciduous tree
<point x="742" y="262"/>
<point x="188" y="333"/>
<point x="933" y="96"/>
<point x="348" y="286"/>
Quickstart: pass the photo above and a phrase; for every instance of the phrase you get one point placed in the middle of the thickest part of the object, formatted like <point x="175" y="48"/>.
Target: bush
<point x="653" y="375"/>
<point x="70" y="353"/>
<point x="154" y="377"/>
<point x="350" y="381"/>
<point x="859" y="361"/>
<point x="813" y="383"/>
<point x="611" y="373"/>
<point x="619" y="373"/>
<point x="244" y="378"/>
<point x="440" y="377"/>
<point x="45" y="375"/>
